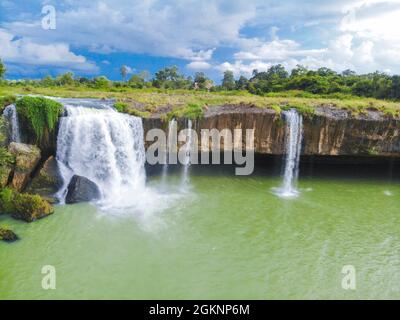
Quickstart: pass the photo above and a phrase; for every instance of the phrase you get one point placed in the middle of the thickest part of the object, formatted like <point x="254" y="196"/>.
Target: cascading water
<point x="169" y="148"/>
<point x="10" y="113"/>
<point x="188" y="150"/>
<point x="294" y="137"/>
<point x="105" y="147"/>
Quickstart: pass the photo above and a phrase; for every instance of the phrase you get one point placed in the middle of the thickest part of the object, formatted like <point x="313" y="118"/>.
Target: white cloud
<point x="363" y="35"/>
<point x="25" y="51"/>
<point x="240" y="68"/>
<point x="198" y="65"/>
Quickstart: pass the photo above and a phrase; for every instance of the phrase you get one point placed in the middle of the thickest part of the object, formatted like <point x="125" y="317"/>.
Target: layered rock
<point x="47" y="181"/>
<point x="27" y="158"/>
<point x="329" y="131"/>
<point x="81" y="189"/>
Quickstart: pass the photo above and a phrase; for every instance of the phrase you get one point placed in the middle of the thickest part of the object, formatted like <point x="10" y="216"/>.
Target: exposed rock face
<point x="30" y="207"/>
<point x="48" y="180"/>
<point x="329" y="131"/>
<point x="5" y="172"/>
<point x="26" y="159"/>
<point x="7" y="235"/>
<point x="81" y="189"/>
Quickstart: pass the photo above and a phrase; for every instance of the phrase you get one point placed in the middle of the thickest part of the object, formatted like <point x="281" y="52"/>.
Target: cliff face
<point x="327" y="132"/>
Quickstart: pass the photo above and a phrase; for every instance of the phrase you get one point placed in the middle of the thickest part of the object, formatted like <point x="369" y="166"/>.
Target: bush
<point x="41" y="113"/>
<point x="6" y="158"/>
<point x="121" y="106"/>
<point x="7" y="201"/>
<point x="191" y="111"/>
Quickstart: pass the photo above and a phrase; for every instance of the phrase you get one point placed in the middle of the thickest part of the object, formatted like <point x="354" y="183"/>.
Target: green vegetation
<point x="5" y="101"/>
<point x="24" y="206"/>
<point x="7" y="201"/>
<point x="126" y="108"/>
<point x="6" y="158"/>
<point x="2" y="69"/>
<point x="42" y="114"/>
<point x="275" y="88"/>
<point x="191" y="111"/>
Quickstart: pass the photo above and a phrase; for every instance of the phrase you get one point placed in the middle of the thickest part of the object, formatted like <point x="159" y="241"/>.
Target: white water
<point x="10" y="113"/>
<point x="105" y="147"/>
<point x="294" y="137"/>
<point x="172" y="127"/>
<point x="186" y="163"/>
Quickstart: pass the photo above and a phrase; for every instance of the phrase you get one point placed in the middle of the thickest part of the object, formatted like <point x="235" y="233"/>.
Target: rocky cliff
<point x="328" y="131"/>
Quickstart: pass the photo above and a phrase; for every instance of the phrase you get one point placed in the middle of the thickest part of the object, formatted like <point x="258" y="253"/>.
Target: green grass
<point x="144" y="102"/>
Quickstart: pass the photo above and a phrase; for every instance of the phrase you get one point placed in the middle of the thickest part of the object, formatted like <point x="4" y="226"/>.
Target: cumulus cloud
<point x="24" y="51"/>
<point x="363" y="35"/>
<point x="198" y="65"/>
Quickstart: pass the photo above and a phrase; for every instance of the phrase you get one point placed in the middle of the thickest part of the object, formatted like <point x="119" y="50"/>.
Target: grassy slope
<point x="150" y="99"/>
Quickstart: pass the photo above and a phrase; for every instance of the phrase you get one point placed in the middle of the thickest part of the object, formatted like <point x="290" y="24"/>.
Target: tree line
<point x="323" y="81"/>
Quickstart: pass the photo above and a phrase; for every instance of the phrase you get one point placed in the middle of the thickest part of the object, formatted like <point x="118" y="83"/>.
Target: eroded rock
<point x="30" y="207"/>
<point x="26" y="159"/>
<point x="47" y="181"/>
<point x="81" y="189"/>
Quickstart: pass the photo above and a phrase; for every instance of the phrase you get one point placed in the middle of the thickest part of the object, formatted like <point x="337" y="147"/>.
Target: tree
<point x="2" y="69"/>
<point x="242" y="83"/>
<point x="209" y="84"/>
<point x="124" y="72"/>
<point x="101" y="82"/>
<point x="136" y="81"/>
<point x="228" y="82"/>
<point x="200" y="80"/>
<point x="65" y="79"/>
<point x="299" y="71"/>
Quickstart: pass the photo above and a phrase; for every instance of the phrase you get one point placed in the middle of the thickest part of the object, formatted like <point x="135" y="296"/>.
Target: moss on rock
<point x="39" y="114"/>
<point x="30" y="207"/>
<point x="24" y="206"/>
<point x="7" y="235"/>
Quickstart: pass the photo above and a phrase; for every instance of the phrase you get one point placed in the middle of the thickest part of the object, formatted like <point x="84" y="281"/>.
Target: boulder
<point x="26" y="159"/>
<point x="7" y="235"/>
<point x="5" y="172"/>
<point x="81" y="189"/>
<point x="30" y="207"/>
<point x="48" y="180"/>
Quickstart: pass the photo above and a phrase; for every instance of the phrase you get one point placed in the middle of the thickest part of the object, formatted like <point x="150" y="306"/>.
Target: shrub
<point x="7" y="201"/>
<point x="121" y="106"/>
<point x="6" y="158"/>
<point x="41" y="113"/>
<point x="191" y="111"/>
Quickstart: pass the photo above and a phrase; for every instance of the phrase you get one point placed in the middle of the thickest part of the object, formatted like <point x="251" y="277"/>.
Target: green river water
<point x="227" y="237"/>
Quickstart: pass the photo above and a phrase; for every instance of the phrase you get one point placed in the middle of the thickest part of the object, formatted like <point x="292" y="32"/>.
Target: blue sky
<point x="96" y="37"/>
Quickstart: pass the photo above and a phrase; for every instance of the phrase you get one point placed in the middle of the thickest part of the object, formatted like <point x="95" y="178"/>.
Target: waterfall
<point x="169" y="148"/>
<point x="294" y="136"/>
<point x="10" y="113"/>
<point x="106" y="147"/>
<point x="188" y="148"/>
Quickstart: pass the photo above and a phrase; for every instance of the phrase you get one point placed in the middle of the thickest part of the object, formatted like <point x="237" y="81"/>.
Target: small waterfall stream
<point x="294" y="137"/>
<point x="188" y="150"/>
<point x="172" y="127"/>
<point x="10" y="113"/>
